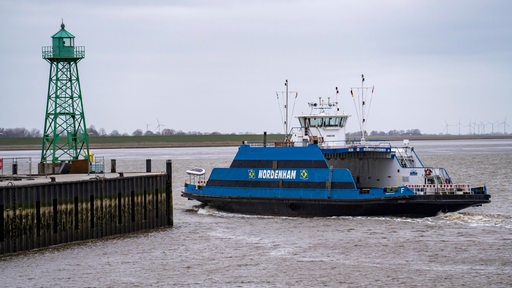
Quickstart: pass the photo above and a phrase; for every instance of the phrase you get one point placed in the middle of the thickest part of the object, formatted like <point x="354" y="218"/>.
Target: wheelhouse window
<point x="343" y="122"/>
<point x="302" y="121"/>
<point x="322" y="121"/>
<point x="316" y="122"/>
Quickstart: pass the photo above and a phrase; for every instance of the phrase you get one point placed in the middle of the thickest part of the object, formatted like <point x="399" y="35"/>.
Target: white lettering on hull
<point x="277" y="174"/>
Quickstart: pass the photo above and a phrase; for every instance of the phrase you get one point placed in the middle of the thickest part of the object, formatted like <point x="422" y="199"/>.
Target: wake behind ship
<point x="316" y="172"/>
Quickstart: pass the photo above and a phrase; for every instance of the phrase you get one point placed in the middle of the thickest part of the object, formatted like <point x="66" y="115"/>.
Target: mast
<point x="286" y="114"/>
<point x="286" y="109"/>
<point x="361" y="107"/>
<point x="363" y="114"/>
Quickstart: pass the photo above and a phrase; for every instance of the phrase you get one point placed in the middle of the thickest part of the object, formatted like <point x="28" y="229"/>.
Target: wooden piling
<point x="148" y="165"/>
<point x="113" y="165"/>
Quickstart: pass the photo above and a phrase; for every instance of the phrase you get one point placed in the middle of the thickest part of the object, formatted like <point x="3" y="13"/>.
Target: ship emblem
<point x="251" y="173"/>
<point x="304" y="174"/>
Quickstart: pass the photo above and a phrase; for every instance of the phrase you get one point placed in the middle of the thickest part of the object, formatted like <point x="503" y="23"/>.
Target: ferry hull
<point x="411" y="206"/>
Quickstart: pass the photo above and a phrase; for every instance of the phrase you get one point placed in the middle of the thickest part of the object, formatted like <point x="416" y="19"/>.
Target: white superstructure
<point x="324" y="125"/>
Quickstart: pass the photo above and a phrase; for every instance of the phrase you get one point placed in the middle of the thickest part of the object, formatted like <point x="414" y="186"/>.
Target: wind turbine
<point x="505" y="126"/>
<point x="447" y="127"/>
<point x="158" y="125"/>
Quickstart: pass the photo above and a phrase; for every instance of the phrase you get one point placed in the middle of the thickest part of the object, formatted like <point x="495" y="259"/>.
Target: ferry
<point x="316" y="172"/>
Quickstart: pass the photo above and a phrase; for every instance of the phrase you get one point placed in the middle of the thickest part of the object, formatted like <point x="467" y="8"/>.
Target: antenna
<point x="337" y="101"/>
<point x="364" y="106"/>
<point x="286" y="121"/>
<point x="286" y="106"/>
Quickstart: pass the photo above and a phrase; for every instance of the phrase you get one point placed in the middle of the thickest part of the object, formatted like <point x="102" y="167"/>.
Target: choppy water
<point x="207" y="248"/>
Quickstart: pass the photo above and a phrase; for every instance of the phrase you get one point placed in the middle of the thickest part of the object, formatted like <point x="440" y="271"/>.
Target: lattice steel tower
<point x="65" y="135"/>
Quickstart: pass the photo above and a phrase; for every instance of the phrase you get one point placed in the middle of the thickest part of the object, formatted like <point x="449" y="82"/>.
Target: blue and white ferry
<point x="317" y="172"/>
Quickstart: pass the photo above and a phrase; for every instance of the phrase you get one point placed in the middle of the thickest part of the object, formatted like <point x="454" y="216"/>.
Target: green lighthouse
<point x="65" y="136"/>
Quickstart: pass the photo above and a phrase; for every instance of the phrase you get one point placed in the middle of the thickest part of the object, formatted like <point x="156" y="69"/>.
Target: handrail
<point x="438" y="189"/>
<point x="48" y="53"/>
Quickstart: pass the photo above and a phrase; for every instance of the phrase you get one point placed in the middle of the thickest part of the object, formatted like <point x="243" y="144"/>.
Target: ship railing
<point x="440" y="189"/>
<point x="436" y="176"/>
<point x="325" y="144"/>
<point x="368" y="143"/>
<point x="261" y="143"/>
<point x="197" y="180"/>
<point x="334" y="144"/>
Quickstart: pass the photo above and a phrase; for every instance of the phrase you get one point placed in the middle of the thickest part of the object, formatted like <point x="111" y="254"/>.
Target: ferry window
<point x="316" y="122"/>
<point x="342" y="122"/>
<point x="302" y="122"/>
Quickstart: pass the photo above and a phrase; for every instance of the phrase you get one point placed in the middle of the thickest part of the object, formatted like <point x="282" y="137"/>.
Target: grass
<point x="183" y="138"/>
<point x="174" y="140"/>
<point x="20" y="141"/>
<point x="200" y="140"/>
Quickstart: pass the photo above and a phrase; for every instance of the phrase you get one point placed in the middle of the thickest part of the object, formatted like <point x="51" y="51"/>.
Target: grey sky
<point x="216" y="65"/>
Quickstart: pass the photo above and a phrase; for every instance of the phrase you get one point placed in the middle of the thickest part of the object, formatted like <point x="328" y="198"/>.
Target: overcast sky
<point x="216" y="65"/>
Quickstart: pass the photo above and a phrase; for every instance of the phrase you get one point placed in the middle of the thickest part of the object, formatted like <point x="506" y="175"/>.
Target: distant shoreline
<point x="133" y="145"/>
<point x="219" y="142"/>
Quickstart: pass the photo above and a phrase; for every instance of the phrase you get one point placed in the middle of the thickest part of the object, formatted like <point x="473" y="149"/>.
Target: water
<point x="208" y="248"/>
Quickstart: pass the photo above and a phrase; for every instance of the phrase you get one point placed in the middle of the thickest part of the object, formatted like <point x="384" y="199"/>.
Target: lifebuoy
<point x="428" y="172"/>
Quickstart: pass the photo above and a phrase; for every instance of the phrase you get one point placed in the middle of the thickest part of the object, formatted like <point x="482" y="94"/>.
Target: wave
<point x="207" y="210"/>
<point x="466" y="218"/>
<point x="478" y="219"/>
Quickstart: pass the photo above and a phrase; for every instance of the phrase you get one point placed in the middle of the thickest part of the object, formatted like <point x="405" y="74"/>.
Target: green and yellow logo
<point x="304" y="174"/>
<point x="251" y="173"/>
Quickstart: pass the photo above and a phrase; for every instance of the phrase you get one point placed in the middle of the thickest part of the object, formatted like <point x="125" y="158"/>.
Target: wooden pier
<point x="41" y="211"/>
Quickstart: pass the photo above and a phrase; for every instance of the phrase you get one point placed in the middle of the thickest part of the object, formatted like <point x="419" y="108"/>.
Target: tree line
<point x="92" y="131"/>
<point x="409" y="132"/>
<point x="139" y="132"/>
<point x="19" y="133"/>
